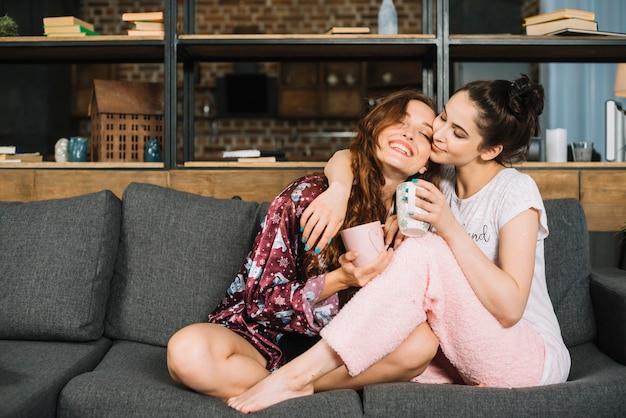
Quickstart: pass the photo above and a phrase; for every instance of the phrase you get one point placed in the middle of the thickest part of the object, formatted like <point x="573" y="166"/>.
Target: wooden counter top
<point x="599" y="186"/>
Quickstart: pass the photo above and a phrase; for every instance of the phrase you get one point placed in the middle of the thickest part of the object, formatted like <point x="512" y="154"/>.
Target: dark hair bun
<point x="526" y="98"/>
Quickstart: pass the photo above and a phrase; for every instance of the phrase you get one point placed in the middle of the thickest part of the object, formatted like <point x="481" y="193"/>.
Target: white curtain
<point x="576" y="93"/>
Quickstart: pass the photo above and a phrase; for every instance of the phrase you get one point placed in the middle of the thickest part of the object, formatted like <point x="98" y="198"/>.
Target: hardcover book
<point x="143" y="16"/>
<point x="68" y="29"/>
<point x="23" y="157"/>
<point x="134" y="32"/>
<point x="338" y="30"/>
<point x="142" y="25"/>
<point x="556" y="25"/>
<point x="559" y="14"/>
<point x="65" y="21"/>
<point x="583" y="32"/>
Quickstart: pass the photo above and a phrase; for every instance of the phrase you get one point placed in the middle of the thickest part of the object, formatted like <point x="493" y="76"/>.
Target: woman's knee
<point x="186" y="349"/>
<point x="418" y="350"/>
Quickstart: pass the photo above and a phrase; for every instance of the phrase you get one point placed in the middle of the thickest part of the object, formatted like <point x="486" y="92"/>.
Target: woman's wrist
<point x="333" y="283"/>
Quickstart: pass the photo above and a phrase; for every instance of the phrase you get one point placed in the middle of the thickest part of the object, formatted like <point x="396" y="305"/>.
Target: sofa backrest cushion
<point x="56" y="259"/>
<point x="568" y="270"/>
<point x="178" y="254"/>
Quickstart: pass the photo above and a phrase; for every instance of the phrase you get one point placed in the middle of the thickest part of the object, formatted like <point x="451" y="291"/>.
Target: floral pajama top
<point x="271" y="295"/>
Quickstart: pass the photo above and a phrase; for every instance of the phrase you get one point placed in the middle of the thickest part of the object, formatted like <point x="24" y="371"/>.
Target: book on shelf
<point x="339" y="30"/>
<point x="270" y="159"/>
<point x="241" y="153"/>
<point x="583" y="32"/>
<point x="559" y="14"/>
<point x="143" y="16"/>
<point x="60" y="35"/>
<point x="65" y="21"/>
<point x="558" y="25"/>
<point x="134" y="32"/>
<point x="141" y="25"/>
<point x="253" y="153"/>
<point x="68" y="29"/>
<point x="8" y="149"/>
<point x="22" y="157"/>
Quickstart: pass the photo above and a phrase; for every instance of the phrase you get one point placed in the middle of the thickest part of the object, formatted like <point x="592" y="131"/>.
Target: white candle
<point x="556" y="145"/>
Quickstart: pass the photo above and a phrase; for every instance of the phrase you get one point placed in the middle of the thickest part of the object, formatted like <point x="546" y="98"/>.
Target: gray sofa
<point x="92" y="287"/>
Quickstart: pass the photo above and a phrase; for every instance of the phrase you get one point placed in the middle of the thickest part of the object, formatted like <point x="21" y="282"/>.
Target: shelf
<point x="114" y="49"/>
<point x="571" y="165"/>
<point x="305" y="47"/>
<point x="76" y="165"/>
<point x="522" y="48"/>
<point x="275" y="165"/>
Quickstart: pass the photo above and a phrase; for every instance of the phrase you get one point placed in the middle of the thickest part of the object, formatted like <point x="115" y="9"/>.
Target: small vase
<point x="152" y="151"/>
<point x="77" y="149"/>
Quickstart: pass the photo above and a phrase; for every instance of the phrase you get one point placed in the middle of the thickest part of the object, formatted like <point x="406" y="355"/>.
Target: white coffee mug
<point x="366" y="239"/>
<point x="405" y="204"/>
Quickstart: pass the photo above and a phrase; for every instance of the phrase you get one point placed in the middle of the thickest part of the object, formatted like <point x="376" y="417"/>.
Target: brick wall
<point x="299" y="138"/>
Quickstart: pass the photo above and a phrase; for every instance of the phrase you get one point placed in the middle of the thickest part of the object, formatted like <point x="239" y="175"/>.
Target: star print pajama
<point x="271" y="298"/>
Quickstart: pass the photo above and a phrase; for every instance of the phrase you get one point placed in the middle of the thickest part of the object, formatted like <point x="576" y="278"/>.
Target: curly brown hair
<point x="366" y="203"/>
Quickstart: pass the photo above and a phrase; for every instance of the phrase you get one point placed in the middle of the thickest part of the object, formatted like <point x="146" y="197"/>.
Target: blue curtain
<point x="576" y="93"/>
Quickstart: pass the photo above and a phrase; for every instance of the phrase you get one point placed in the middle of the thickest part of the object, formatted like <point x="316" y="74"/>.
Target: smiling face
<point x="404" y="146"/>
<point x="456" y="139"/>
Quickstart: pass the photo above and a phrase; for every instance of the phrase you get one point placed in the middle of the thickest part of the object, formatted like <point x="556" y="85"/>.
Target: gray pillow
<point x="178" y="254"/>
<point x="56" y="259"/>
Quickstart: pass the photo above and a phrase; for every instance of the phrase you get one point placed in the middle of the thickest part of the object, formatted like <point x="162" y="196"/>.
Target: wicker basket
<point x="124" y="116"/>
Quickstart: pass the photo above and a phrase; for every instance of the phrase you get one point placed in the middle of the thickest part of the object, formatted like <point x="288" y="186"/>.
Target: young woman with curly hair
<point x="288" y="290"/>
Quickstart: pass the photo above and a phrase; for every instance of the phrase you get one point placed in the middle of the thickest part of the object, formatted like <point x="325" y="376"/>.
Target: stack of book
<point x="145" y="23"/>
<point x="67" y="26"/>
<point x="560" y="21"/>
<point x="565" y="22"/>
<point x="11" y="154"/>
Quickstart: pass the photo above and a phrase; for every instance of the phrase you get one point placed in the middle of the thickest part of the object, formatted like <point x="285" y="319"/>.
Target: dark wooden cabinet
<point x="341" y="89"/>
<point x="328" y="89"/>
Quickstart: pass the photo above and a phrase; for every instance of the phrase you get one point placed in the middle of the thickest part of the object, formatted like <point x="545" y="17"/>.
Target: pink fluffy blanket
<point x="425" y="283"/>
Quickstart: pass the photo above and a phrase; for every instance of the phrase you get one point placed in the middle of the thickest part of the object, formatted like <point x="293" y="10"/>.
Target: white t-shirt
<point x="482" y="215"/>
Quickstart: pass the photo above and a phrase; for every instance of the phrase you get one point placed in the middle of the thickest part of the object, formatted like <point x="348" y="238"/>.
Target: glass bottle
<point x="387" y="18"/>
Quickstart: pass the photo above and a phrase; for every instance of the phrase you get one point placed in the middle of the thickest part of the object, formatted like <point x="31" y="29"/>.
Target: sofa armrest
<point x="608" y="296"/>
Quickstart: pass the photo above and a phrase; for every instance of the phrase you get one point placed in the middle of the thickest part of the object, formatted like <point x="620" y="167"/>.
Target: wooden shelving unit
<point x="436" y="50"/>
<point x="114" y="48"/>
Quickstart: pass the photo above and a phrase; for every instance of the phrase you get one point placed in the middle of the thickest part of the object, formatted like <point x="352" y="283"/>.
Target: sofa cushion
<point x="178" y="254"/>
<point x="57" y="260"/>
<point x="32" y="373"/>
<point x="595" y="389"/>
<point x="568" y="270"/>
<point x="132" y="380"/>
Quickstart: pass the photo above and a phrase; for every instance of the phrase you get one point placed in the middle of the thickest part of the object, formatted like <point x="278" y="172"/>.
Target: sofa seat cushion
<point x="595" y="388"/>
<point x="178" y="254"/>
<point x="57" y="260"/>
<point x="132" y="380"/>
<point x="32" y="373"/>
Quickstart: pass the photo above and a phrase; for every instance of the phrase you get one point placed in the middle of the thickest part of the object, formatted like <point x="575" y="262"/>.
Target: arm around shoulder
<point x="324" y="217"/>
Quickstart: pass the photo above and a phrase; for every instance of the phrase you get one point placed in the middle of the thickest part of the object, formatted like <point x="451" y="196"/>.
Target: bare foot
<point x="275" y="388"/>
